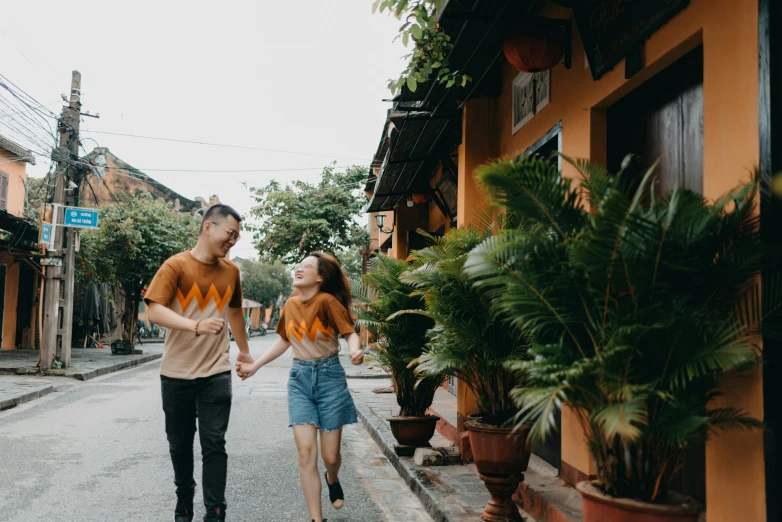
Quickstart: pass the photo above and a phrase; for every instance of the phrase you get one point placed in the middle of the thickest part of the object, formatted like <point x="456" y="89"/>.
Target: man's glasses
<point x="232" y="234"/>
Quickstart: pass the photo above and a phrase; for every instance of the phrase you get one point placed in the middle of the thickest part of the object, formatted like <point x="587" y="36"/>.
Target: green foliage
<point x="431" y="46"/>
<point x="299" y="218"/>
<point x="351" y="261"/>
<point x="467" y="340"/>
<point x="135" y="237"/>
<point x="265" y="282"/>
<point x="399" y="339"/>
<point x="634" y="310"/>
<point x="37" y="191"/>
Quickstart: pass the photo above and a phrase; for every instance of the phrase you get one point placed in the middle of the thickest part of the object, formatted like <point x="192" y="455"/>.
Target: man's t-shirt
<point x="196" y="290"/>
<point x="313" y="327"/>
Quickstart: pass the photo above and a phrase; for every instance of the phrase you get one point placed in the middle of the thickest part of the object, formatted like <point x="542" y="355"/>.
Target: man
<point x="192" y="296"/>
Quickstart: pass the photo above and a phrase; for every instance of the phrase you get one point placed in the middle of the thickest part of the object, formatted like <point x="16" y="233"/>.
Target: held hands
<point x="245" y="370"/>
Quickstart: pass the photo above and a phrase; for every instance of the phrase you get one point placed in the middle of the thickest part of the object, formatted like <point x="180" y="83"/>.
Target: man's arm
<point x="164" y="316"/>
<point x="245" y="370"/>
<point x="167" y="318"/>
<point x="238" y="327"/>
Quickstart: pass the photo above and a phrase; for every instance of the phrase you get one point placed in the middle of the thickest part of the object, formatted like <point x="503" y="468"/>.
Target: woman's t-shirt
<point x="313" y="327"/>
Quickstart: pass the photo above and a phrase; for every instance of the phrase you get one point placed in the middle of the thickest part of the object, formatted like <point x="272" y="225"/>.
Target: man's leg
<point x="213" y="403"/>
<point x="179" y="406"/>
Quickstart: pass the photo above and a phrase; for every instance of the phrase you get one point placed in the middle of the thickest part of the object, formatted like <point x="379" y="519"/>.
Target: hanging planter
<point x="420" y="197"/>
<point x="538" y="46"/>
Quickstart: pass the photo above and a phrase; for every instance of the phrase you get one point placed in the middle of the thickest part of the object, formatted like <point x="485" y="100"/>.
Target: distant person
<point x="318" y="396"/>
<point x="192" y="296"/>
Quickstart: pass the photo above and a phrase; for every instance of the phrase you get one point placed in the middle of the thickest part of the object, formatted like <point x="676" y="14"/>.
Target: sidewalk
<point x="452" y="493"/>
<point x="17" y="390"/>
<point x="86" y="363"/>
<point x="368" y="370"/>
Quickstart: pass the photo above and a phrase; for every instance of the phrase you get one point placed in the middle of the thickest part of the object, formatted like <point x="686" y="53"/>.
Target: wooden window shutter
<point x="3" y="190"/>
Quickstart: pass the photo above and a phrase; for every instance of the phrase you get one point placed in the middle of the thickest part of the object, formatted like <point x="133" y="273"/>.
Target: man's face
<point x="222" y="233"/>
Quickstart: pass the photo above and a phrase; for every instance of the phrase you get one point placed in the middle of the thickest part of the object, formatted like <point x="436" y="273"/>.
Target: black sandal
<point x="336" y="496"/>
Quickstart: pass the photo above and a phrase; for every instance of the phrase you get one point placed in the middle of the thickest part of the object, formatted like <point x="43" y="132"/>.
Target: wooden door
<point x="662" y="120"/>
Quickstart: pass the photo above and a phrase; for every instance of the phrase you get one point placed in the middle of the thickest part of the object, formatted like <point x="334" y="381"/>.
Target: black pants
<point x="207" y="399"/>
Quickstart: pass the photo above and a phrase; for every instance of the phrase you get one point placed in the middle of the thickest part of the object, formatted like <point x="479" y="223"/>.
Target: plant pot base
<point x="599" y="507"/>
<point x="413" y="431"/>
<point x="408" y="451"/>
<point x="501" y="507"/>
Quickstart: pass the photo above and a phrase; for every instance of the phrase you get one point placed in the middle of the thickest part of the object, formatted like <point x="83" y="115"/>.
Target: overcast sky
<point x="304" y="76"/>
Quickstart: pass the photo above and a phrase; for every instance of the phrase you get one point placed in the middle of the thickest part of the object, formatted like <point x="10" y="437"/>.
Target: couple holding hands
<point x="193" y="294"/>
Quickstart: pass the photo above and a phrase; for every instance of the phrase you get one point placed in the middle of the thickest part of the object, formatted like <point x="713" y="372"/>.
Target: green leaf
<point x="412" y="84"/>
<point x="416" y="31"/>
<point x="450" y="83"/>
<point x="435" y="65"/>
<point x="405" y="39"/>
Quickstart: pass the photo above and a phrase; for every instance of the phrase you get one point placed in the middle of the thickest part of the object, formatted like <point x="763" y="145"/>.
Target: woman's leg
<point x="330" y="443"/>
<point x="330" y="450"/>
<point x="306" y="437"/>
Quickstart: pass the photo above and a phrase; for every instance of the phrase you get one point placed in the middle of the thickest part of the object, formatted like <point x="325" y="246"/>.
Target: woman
<point x="318" y="396"/>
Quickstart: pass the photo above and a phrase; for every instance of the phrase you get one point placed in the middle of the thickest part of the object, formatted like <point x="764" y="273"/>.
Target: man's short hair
<point x="219" y="212"/>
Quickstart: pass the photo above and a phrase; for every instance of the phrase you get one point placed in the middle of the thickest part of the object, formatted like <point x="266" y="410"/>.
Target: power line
<point x="223" y="145"/>
<point x="34" y="48"/>
<point x="29" y="110"/>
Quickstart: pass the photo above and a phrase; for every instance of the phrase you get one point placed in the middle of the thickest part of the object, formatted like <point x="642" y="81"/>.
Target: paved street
<point x="96" y="451"/>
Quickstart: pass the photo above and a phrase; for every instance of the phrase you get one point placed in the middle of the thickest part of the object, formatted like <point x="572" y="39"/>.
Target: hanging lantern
<point x="420" y="197"/>
<point x="534" y="48"/>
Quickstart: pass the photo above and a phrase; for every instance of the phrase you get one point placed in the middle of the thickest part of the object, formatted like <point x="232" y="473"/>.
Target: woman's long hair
<point x="335" y="282"/>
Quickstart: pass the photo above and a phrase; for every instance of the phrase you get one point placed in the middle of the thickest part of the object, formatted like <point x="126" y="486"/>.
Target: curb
<point x="16" y="401"/>
<point x="370" y="376"/>
<point x="381" y="434"/>
<point x="124" y="365"/>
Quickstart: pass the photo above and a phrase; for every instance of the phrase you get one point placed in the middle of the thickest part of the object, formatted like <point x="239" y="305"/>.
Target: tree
<point x="134" y="238"/>
<point x="265" y="282"/>
<point x="351" y="261"/>
<point x="299" y="218"/>
<point x="37" y="193"/>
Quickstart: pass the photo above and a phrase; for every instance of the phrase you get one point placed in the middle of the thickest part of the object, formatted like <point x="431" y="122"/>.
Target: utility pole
<point x="58" y="292"/>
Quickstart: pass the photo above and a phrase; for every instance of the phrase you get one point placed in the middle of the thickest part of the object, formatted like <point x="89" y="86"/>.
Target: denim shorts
<point x="318" y="394"/>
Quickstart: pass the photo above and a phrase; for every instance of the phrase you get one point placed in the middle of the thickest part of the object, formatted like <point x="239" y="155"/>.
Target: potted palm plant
<point x="468" y="342"/>
<point x="399" y="340"/>
<point x="634" y="311"/>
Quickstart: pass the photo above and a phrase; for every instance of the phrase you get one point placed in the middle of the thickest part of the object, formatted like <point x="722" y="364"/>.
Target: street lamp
<point x="380" y="220"/>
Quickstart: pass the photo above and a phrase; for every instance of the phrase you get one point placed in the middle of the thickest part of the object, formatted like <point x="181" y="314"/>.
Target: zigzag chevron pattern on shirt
<point x="317" y="326"/>
<point x="203" y="300"/>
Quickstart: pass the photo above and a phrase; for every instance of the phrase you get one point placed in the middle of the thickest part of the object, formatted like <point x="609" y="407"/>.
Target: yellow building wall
<point x="11" y="298"/>
<point x="17" y="175"/>
<point x="735" y="481"/>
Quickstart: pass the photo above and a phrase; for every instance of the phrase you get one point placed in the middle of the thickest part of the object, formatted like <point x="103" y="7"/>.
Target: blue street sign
<point x="80" y="217"/>
<point x="46" y="233"/>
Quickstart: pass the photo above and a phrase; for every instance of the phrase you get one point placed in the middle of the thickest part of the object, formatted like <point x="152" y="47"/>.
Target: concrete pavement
<point x="96" y="451"/>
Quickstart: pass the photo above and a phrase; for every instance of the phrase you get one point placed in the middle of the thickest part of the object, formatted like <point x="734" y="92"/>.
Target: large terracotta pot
<point x="501" y="457"/>
<point x="413" y="431"/>
<point x="599" y="507"/>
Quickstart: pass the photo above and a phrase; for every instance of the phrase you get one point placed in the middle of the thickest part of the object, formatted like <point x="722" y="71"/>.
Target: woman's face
<point x="306" y="275"/>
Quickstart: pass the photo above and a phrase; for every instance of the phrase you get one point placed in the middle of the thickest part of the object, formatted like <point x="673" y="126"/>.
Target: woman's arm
<point x="354" y="346"/>
<point x="245" y="370"/>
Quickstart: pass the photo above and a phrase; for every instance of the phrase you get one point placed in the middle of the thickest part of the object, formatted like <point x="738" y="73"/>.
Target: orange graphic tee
<point x="313" y="327"/>
<point x="196" y="290"/>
